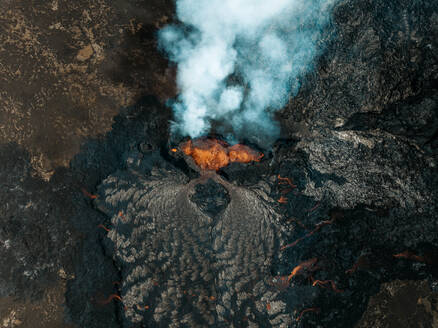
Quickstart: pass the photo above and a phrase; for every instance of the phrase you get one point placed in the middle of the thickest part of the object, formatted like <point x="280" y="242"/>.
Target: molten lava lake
<point x="213" y="154"/>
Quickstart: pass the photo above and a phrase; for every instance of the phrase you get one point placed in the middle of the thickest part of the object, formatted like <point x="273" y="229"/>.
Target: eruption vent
<point x="239" y="61"/>
<point x="213" y="154"/>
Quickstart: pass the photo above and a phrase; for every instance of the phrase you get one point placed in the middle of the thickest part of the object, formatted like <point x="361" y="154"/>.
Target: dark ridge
<point x="211" y="197"/>
<point x="178" y="161"/>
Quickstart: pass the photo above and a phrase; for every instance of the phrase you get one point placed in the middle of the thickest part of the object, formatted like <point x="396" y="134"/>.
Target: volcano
<point x="212" y="255"/>
<point x="110" y="218"/>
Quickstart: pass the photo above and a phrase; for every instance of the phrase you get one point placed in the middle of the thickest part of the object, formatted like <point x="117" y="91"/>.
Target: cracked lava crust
<point x="189" y="258"/>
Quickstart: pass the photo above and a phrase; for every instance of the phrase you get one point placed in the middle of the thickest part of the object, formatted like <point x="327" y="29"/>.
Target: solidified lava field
<point x="107" y="220"/>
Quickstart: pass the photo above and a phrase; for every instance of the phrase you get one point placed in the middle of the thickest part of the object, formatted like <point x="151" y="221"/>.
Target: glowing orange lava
<point x="280" y="282"/>
<point x="86" y="193"/>
<point x="302" y="266"/>
<point x="104" y="228"/>
<point x="213" y="154"/>
<point x="282" y="200"/>
<point x="141" y="308"/>
<point x="121" y="216"/>
<point x="288" y="181"/>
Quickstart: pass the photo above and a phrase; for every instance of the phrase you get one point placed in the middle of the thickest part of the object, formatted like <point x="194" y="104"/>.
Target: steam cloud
<point x="239" y="61"/>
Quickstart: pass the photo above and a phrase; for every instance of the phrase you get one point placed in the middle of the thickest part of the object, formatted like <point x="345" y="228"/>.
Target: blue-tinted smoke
<point x="240" y="60"/>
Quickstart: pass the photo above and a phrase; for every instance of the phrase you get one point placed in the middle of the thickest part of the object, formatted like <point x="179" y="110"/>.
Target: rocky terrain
<point x="103" y="226"/>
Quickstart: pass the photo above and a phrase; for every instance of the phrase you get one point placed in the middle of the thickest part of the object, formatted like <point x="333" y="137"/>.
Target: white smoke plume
<point x="240" y="60"/>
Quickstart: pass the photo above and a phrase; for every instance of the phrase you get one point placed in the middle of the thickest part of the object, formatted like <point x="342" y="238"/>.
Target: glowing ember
<point x="212" y="154"/>
<point x="86" y="193"/>
<point x="121" y="216"/>
<point x="103" y="227"/>
<point x="410" y="256"/>
<point x="285" y="181"/>
<point x="280" y="282"/>
<point x="141" y="308"/>
<point x="302" y="266"/>
<point x="282" y="200"/>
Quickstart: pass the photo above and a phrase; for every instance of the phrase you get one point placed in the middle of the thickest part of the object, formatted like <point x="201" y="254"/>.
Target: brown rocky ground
<point x="402" y="304"/>
<point x="67" y="67"/>
<point x="46" y="312"/>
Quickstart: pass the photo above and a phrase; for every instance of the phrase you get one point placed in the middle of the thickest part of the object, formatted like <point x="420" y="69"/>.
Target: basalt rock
<point x="191" y="262"/>
<point x="359" y="147"/>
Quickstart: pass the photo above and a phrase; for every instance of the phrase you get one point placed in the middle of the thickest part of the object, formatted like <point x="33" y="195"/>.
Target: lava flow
<point x="306" y="265"/>
<point x="213" y="154"/>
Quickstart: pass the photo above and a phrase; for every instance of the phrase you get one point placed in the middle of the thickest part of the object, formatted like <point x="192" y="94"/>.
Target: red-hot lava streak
<point x="288" y="181"/>
<point x="110" y="298"/>
<point x="361" y="263"/>
<point x="316" y="310"/>
<point x="306" y="265"/>
<point x="86" y="193"/>
<point x="410" y="256"/>
<point x="282" y="282"/>
<point x="282" y="200"/>
<point x="317" y="228"/>
<point x="141" y="308"/>
<point x="104" y="228"/>
<point x="323" y="283"/>
<point x="213" y="154"/>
